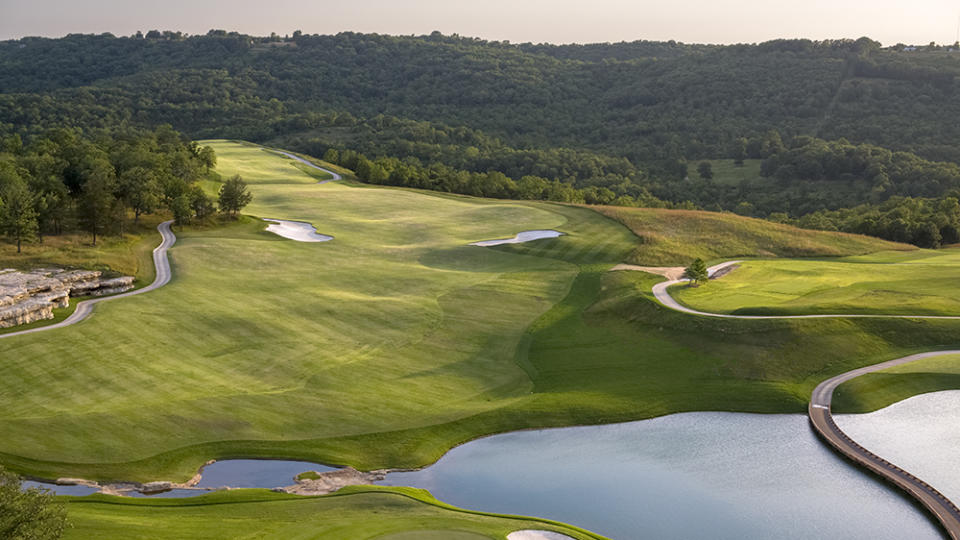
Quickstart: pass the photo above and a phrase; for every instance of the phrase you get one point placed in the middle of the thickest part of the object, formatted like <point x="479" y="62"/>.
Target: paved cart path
<point x="821" y="418"/>
<point x="307" y="163"/>
<point x="85" y="308"/>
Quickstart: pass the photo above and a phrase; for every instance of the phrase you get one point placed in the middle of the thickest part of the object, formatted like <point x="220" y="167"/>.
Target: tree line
<point x="66" y="180"/>
<point x="837" y="123"/>
<point x="410" y="172"/>
<point x="924" y="222"/>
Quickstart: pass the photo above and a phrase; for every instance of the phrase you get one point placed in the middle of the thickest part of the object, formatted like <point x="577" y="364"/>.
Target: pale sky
<point x="554" y="21"/>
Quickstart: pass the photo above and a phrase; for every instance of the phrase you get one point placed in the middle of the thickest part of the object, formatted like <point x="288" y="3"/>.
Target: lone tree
<point x="705" y="169"/>
<point x="234" y="195"/>
<point x="696" y="272"/>
<point x="18" y="220"/>
<point x="29" y="513"/>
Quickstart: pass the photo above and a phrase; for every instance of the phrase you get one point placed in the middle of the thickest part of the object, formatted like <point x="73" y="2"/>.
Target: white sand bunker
<point x="525" y="236"/>
<point x="296" y="230"/>
<point x="531" y="534"/>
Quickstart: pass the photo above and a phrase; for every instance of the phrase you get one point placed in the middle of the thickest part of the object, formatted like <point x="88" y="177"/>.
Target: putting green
<point x="355" y="513"/>
<point x="895" y="283"/>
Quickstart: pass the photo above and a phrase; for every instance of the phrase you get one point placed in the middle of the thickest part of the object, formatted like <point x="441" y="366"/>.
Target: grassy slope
<point x="400" y="513"/>
<point x="676" y="237"/>
<point x="909" y="283"/>
<point x="395" y="341"/>
<point x="877" y="390"/>
<point x="396" y="324"/>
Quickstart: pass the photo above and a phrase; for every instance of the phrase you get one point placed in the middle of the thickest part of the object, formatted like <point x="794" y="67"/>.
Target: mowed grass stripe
<point x="895" y="283"/>
<point x="394" y="324"/>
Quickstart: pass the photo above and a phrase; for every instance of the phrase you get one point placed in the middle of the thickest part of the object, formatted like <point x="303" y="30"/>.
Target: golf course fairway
<point x="394" y="341"/>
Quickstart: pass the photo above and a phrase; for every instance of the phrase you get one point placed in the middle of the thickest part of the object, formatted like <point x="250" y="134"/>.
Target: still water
<point x="692" y="475"/>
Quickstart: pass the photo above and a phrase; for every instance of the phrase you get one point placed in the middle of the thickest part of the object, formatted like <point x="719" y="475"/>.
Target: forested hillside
<point x="837" y="123"/>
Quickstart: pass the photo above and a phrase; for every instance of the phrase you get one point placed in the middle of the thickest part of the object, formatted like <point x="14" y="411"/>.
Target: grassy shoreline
<point x="346" y="513"/>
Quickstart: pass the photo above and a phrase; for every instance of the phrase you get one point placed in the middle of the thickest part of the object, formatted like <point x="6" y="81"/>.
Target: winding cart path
<point x="821" y="416"/>
<point x="85" y="308"/>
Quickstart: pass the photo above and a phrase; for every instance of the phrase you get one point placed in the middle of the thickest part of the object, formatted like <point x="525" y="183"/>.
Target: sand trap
<point x="296" y="230"/>
<point x="669" y="272"/>
<point x="524" y="236"/>
<point x="531" y="534"/>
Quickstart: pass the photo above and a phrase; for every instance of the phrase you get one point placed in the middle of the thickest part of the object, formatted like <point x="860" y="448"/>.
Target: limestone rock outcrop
<point x="31" y="296"/>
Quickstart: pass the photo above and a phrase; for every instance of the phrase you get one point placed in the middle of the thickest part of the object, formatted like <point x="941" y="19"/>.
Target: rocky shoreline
<point x="26" y="297"/>
<point x="306" y="483"/>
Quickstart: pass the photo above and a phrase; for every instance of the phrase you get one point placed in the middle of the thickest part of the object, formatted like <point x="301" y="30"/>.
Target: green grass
<point x="904" y="283"/>
<point x="676" y="237"/>
<point x="728" y="173"/>
<point x="395" y="341"/>
<point x="354" y="512"/>
<point x="308" y="475"/>
<point x="882" y="388"/>
<point x="255" y="329"/>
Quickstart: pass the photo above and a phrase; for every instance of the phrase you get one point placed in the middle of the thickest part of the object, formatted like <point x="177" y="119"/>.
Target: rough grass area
<point x="882" y="388"/>
<point x="129" y="255"/>
<point x="356" y="513"/>
<point x="393" y="342"/>
<point x="676" y="237"/>
<point x="904" y="283"/>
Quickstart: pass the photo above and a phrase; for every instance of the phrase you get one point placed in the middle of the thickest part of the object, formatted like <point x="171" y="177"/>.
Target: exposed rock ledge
<point x="26" y="297"/>
<point x="330" y="481"/>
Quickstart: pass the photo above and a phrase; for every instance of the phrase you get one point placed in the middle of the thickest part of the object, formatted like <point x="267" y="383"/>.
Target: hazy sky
<point x="556" y="21"/>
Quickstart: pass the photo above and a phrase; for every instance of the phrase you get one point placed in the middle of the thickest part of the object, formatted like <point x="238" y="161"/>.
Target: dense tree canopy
<point x="66" y="179"/>
<point x="837" y="123"/>
<point x="29" y="514"/>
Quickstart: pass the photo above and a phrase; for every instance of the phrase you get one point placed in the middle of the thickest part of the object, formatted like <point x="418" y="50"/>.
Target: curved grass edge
<point x="262" y="496"/>
<point x="878" y="390"/>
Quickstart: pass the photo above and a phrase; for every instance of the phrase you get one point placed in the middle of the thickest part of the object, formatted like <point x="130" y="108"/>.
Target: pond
<point x="691" y="475"/>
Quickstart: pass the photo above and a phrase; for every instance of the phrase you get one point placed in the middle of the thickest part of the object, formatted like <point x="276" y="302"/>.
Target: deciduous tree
<point x="234" y="195"/>
<point x="697" y="272"/>
<point x="28" y="513"/>
<point x="18" y="219"/>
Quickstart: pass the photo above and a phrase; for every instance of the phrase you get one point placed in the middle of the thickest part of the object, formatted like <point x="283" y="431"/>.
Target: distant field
<point x="676" y="237"/>
<point x="904" y="283"/>
<point x="726" y="172"/>
<point x="877" y="390"/>
<point x="354" y="513"/>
